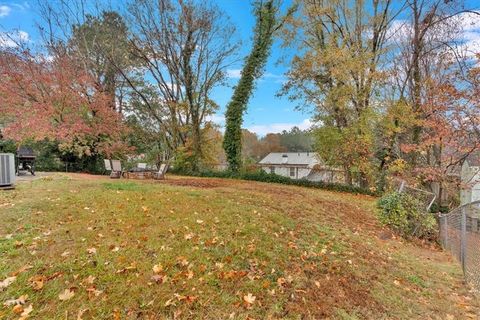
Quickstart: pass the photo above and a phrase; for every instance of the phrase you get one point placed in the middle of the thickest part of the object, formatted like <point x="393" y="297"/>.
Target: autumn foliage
<point x="55" y="99"/>
<point x="450" y="123"/>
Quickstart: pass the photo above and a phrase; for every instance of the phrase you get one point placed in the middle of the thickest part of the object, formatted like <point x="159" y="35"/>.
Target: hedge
<point x="262" y="176"/>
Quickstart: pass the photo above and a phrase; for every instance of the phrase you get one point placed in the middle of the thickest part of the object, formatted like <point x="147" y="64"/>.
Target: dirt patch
<point x="197" y="183"/>
<point x="87" y="176"/>
<point x="331" y="293"/>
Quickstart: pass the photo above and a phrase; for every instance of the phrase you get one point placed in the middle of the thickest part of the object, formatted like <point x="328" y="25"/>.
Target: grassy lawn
<point x="85" y="247"/>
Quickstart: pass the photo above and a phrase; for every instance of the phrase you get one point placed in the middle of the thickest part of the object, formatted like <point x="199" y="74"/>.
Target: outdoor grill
<point x="26" y="160"/>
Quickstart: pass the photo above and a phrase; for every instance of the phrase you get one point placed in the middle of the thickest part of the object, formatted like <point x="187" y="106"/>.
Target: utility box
<point x="7" y="170"/>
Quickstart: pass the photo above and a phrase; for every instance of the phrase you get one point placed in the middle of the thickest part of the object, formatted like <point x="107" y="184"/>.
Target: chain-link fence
<point x="460" y="233"/>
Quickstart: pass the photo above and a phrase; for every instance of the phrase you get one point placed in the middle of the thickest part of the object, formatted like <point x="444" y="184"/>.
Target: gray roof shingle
<point x="291" y="158"/>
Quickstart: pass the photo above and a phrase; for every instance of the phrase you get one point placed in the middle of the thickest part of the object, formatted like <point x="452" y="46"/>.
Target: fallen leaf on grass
<point x="169" y="302"/>
<point x="37" y="282"/>
<point x="249" y="299"/>
<point x="18" y="309"/>
<point x="281" y="281"/>
<point x="132" y="266"/>
<point x="26" y="312"/>
<point x="89" y="279"/>
<point x="116" y="314"/>
<point x="91" y="251"/>
<point x="157" y="268"/>
<point x="92" y="291"/>
<point x="6" y="282"/>
<point x="80" y="313"/>
<point x="182" y="261"/>
<point x="231" y="275"/>
<point x="22" y="269"/>
<point x="158" y="279"/>
<point x="19" y="301"/>
<point x="188" y="299"/>
<point x="67" y="294"/>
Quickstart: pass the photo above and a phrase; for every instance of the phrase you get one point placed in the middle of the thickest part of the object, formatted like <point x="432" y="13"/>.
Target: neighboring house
<point x="300" y="165"/>
<point x="470" y="181"/>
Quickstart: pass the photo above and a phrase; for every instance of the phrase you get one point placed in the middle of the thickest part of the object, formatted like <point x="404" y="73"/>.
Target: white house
<point x="300" y="165"/>
<point x="470" y="181"/>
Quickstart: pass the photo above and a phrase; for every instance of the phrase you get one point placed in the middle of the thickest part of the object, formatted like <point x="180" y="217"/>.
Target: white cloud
<point x="12" y="39"/>
<point x="22" y="6"/>
<point x="4" y="11"/>
<point x="263" y="129"/>
<point x="216" y="118"/>
<point x="399" y="30"/>
<point x="468" y="24"/>
<point x="234" y="73"/>
<point x="470" y="20"/>
<point x="277" y="78"/>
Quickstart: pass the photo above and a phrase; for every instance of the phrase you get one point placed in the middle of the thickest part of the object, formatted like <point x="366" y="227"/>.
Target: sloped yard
<point x="84" y="247"/>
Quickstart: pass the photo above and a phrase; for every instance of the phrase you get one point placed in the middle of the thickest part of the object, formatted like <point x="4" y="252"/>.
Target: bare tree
<point x="185" y="48"/>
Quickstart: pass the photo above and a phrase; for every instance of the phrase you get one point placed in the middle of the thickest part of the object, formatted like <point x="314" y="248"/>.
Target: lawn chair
<point x="116" y="169"/>
<point x="161" y="172"/>
<point x="108" y="165"/>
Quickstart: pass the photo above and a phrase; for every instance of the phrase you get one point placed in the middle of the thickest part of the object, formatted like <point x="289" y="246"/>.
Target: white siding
<point x="300" y="172"/>
<point x="307" y="173"/>
<point x="470" y="190"/>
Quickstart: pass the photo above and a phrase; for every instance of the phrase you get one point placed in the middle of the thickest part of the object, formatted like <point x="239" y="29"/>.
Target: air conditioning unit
<point x="7" y="170"/>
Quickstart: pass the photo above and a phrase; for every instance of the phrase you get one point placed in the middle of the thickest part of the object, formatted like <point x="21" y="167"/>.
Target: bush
<point x="262" y="176"/>
<point x="7" y="146"/>
<point x="406" y="215"/>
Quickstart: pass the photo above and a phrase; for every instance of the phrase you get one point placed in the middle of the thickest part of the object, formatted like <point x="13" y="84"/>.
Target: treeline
<point x="255" y="148"/>
<point x="392" y="86"/>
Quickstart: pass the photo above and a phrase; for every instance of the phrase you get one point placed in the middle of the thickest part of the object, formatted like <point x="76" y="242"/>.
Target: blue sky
<point x="266" y="112"/>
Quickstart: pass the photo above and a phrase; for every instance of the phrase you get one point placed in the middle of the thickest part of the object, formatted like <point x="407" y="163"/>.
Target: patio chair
<point x="161" y="172"/>
<point x="116" y="169"/>
<point x="108" y="165"/>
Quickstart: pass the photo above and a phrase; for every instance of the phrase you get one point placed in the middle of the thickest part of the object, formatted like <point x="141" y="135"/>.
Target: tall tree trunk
<point x="265" y="26"/>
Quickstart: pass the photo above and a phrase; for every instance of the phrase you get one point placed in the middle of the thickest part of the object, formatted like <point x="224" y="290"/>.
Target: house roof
<point x="291" y="158"/>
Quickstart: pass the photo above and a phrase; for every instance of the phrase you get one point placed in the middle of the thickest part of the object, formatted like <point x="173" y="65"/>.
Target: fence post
<point x="463" y="241"/>
<point x="445" y="231"/>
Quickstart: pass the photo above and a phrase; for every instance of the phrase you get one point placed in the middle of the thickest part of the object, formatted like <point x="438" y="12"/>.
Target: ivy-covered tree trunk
<point x="265" y="26"/>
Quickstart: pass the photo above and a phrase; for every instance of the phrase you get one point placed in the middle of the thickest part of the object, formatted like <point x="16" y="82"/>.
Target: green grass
<point x="303" y="253"/>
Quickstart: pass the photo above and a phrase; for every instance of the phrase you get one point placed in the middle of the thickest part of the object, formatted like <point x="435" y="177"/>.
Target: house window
<point x="292" y="172"/>
<point x="272" y="170"/>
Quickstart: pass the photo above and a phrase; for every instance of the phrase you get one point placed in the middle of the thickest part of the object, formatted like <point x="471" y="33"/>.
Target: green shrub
<point x="262" y="176"/>
<point x="7" y="146"/>
<point x="406" y="215"/>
